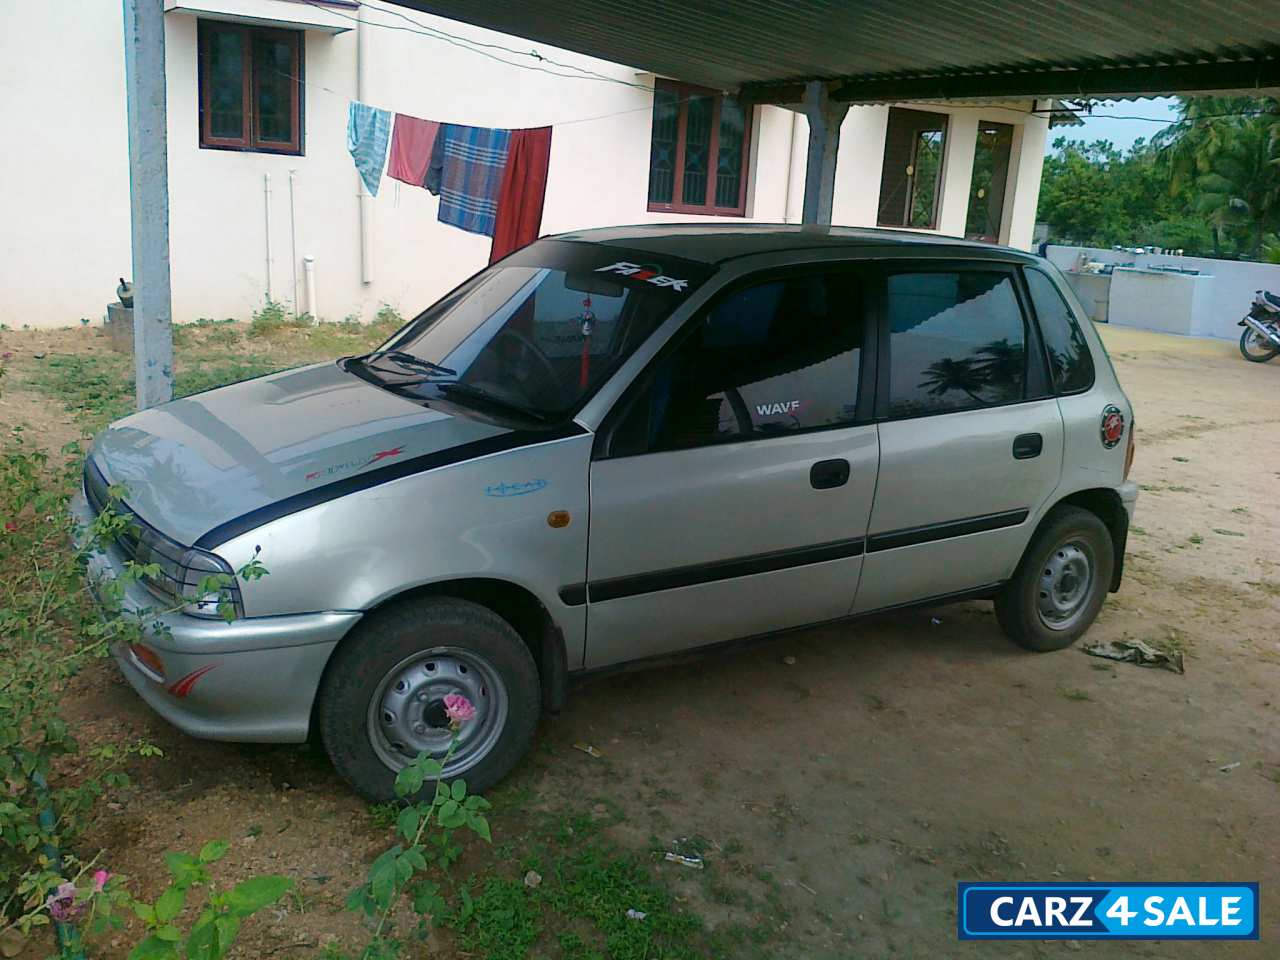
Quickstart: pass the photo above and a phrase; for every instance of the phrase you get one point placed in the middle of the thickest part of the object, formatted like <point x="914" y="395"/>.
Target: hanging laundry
<point x="411" y="143"/>
<point x="368" y="129"/>
<point x="524" y="188"/>
<point x="466" y="170"/>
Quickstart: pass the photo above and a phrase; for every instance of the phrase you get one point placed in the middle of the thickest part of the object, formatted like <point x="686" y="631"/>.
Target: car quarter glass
<point x="1070" y="363"/>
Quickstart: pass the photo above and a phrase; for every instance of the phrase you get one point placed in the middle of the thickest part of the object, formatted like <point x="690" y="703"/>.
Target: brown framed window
<point x="914" y="146"/>
<point x="250" y="88"/>
<point x="698" y="151"/>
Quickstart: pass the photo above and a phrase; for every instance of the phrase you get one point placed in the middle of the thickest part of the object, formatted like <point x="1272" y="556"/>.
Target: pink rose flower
<point x="100" y="878"/>
<point x="458" y="708"/>
<point x="10" y="527"/>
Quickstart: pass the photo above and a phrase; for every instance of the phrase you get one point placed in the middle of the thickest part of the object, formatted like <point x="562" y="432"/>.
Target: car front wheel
<point x="1061" y="582"/>
<point x="382" y="697"/>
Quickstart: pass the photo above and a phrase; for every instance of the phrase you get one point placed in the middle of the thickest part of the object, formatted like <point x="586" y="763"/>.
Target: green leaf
<point x="382" y="877"/>
<point x="169" y="932"/>
<point x="213" y="851"/>
<point x="451" y="815"/>
<point x="255" y="893"/>
<point x="408" y="821"/>
<point x="170" y="904"/>
<point x="459" y="790"/>
<point x="481" y="827"/>
<point x="153" y="948"/>
<point x="145" y="912"/>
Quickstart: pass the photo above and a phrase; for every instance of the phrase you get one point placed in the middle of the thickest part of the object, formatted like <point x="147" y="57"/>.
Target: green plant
<point x="426" y="826"/>
<point x="216" y="926"/>
<point x="274" y="316"/>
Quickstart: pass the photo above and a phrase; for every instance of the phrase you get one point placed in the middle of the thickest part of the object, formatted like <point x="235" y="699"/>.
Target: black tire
<point x="1018" y="605"/>
<point x="385" y="639"/>
<point x="1255" y="357"/>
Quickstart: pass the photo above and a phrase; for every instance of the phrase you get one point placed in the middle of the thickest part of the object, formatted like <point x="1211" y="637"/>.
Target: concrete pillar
<point x="1026" y="163"/>
<point x="957" y="173"/>
<point x="825" y="117"/>
<point x="144" y="77"/>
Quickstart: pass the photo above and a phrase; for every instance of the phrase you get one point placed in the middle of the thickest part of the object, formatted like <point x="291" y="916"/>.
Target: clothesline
<point x="490" y="180"/>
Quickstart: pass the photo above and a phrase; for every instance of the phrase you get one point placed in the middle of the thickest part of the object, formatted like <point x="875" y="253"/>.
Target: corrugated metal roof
<point x="728" y="45"/>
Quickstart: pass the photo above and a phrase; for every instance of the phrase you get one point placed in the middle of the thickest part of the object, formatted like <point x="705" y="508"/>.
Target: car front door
<point x="733" y="481"/>
<point x="970" y="435"/>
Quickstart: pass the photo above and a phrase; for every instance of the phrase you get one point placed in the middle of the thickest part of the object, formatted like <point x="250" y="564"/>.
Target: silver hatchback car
<point x="610" y="446"/>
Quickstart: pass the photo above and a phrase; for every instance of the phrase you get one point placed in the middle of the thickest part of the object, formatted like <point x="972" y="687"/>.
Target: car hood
<point x="193" y="464"/>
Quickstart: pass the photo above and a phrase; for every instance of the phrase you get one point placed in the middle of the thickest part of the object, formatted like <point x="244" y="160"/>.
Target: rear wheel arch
<point x="1106" y="505"/>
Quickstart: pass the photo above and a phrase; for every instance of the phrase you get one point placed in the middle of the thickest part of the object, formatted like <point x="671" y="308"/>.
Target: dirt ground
<point x="860" y="771"/>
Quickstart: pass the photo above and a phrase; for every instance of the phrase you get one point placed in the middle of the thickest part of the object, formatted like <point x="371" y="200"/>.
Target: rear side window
<point x="768" y="360"/>
<point x="1070" y="363"/>
<point x="957" y="341"/>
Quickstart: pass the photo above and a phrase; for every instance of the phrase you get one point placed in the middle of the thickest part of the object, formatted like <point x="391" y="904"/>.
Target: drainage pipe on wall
<point x="266" y="192"/>
<point x="293" y="237"/>
<point x="366" y="201"/>
<point x="309" y="279"/>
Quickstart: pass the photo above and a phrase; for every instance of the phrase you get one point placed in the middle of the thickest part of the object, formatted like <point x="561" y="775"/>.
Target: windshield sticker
<point x="650" y="273"/>
<point x="517" y="489"/>
<point x="353" y="464"/>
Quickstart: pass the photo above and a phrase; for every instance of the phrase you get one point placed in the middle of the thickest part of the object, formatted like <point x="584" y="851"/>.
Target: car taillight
<point x="1129" y="451"/>
<point x="148" y="661"/>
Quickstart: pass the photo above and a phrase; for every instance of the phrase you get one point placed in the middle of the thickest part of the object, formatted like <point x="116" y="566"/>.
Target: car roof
<point x="713" y="243"/>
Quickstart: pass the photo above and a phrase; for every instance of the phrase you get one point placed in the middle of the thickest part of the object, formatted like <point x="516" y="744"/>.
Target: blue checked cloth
<point x="466" y="171"/>
<point x="368" y="130"/>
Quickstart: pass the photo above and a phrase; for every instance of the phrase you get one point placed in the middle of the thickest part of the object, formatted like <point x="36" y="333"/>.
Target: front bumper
<point x="251" y="680"/>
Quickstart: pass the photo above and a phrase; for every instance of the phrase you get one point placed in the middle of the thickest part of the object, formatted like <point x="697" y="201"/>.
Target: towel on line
<point x="412" y="141"/>
<point x="368" y="129"/>
<point x="466" y="171"/>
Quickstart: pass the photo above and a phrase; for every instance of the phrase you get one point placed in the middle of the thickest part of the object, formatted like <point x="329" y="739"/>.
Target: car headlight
<point x="197" y="567"/>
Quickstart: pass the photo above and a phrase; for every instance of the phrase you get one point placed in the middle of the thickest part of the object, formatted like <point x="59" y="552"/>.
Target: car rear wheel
<point x="1061" y="582"/>
<point x="382" y="697"/>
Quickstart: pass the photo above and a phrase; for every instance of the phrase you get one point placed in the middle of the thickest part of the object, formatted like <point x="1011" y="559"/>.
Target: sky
<point x="1121" y="132"/>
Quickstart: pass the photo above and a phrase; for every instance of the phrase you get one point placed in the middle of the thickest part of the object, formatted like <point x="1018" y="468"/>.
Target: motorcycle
<point x="1261" y="338"/>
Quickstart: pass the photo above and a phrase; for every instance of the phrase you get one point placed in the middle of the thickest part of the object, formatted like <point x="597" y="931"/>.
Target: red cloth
<point x="524" y="187"/>
<point x="411" y="143"/>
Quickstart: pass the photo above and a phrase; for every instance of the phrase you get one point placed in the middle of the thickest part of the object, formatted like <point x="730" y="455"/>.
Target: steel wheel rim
<point x="1256" y="345"/>
<point x="1065" y="585"/>
<point x="406" y="712"/>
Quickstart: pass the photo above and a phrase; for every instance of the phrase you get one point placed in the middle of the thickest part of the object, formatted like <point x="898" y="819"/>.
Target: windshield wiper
<point x="406" y="360"/>
<point x="452" y="388"/>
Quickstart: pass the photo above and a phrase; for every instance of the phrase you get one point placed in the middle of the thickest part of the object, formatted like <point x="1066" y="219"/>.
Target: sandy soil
<point x="888" y="759"/>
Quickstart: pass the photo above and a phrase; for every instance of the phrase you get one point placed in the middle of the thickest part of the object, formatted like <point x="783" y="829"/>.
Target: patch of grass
<point x="1182" y="459"/>
<point x="1195" y="538"/>
<point x="1137" y="530"/>
<point x="1178" y="488"/>
<point x="1240" y="510"/>
<point x="274" y="317"/>
<point x="1073" y="693"/>
<point x="98" y="388"/>
<point x="1266" y="586"/>
<point x="1227" y="533"/>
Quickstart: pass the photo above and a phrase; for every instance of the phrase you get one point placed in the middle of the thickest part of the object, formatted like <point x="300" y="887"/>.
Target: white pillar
<point x="825" y="117"/>
<point x="1027" y="163"/>
<point x="957" y="173"/>
<point x="144" y="77"/>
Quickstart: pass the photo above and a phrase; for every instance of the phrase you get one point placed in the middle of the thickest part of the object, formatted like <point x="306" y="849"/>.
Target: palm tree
<point x="949" y="373"/>
<point x="1003" y="365"/>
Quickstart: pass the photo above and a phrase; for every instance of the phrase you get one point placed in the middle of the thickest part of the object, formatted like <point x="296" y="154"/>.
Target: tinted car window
<point x="957" y="341"/>
<point x="1070" y="363"/>
<point x="771" y="359"/>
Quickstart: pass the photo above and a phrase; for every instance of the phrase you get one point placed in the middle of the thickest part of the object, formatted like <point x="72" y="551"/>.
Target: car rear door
<point x="971" y="437"/>
<point x="733" y="481"/>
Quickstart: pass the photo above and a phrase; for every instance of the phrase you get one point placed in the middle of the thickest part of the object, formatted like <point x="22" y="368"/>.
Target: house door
<point x="731" y="492"/>
<point x="990" y="177"/>
<point x="970" y="435"/>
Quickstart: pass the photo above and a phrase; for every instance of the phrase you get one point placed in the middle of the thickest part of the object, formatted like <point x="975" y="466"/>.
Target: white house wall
<point x="67" y="239"/>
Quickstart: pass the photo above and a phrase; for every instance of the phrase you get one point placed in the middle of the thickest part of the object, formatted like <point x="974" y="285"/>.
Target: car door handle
<point x="1027" y="445"/>
<point x="826" y="474"/>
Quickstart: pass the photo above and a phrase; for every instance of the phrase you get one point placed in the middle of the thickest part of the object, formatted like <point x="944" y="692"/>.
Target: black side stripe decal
<point x="574" y="595"/>
<point x="618" y="587"/>
<point x="911" y="536"/>
<point x="394" y="471"/>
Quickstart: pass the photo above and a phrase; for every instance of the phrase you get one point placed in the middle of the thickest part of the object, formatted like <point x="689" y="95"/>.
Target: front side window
<point x="533" y="337"/>
<point x="910" y="179"/>
<point x="698" y="151"/>
<point x="772" y="359"/>
<point x="250" y="88"/>
<point x="1070" y="363"/>
<point x="957" y="341"/>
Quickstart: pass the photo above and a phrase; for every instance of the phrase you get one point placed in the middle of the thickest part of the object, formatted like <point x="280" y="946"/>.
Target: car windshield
<point x="535" y="335"/>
